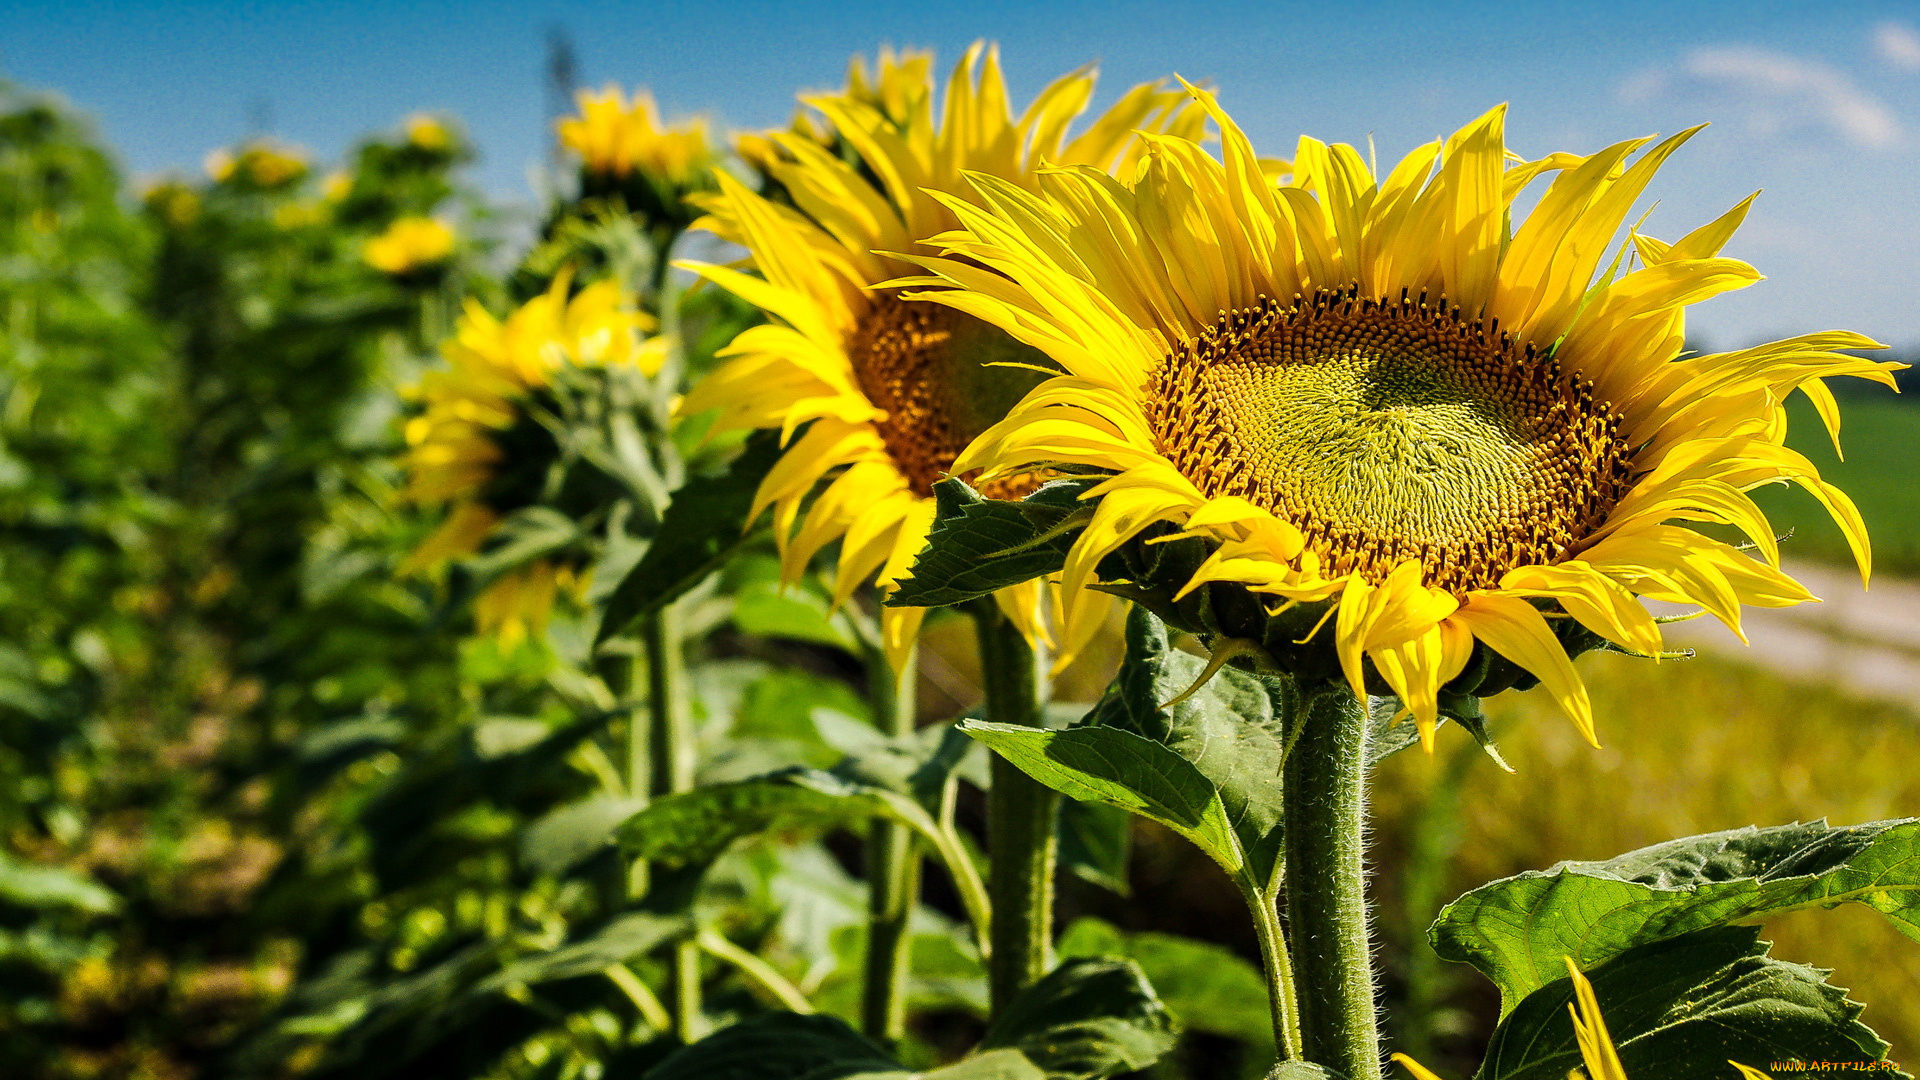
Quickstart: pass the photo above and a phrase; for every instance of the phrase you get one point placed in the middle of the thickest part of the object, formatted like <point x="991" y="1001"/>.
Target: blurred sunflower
<point x="892" y="390"/>
<point x="429" y="133"/>
<point x="260" y="164"/>
<point x="462" y="448"/>
<point x="1377" y="393"/>
<point x="625" y="149"/>
<point x="409" y="245"/>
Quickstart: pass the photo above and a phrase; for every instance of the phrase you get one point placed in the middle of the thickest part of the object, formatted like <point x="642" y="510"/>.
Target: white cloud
<point x="1773" y="95"/>
<point x="1898" y="44"/>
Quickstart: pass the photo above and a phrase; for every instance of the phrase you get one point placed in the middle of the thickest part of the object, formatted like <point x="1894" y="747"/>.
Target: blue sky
<point x="1821" y="108"/>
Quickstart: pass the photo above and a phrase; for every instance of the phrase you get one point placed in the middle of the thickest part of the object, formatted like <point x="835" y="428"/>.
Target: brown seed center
<point x="930" y="368"/>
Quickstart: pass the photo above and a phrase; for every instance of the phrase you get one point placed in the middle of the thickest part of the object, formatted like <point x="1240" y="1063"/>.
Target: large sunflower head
<point x="889" y="391"/>
<point x="477" y="450"/>
<point x="625" y="149"/>
<point x="1375" y="395"/>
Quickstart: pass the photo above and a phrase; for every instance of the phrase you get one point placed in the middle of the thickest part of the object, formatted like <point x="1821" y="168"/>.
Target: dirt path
<point x="1867" y="643"/>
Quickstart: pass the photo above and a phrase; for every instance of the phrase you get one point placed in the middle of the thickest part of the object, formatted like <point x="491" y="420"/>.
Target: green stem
<point x="669" y="765"/>
<point x="1278" y="968"/>
<point x="758" y="971"/>
<point x="893" y="872"/>
<point x="1022" y="842"/>
<point x="1323" y="787"/>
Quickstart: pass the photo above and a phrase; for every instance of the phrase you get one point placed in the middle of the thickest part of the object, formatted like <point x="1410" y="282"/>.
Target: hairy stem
<point x="1021" y="839"/>
<point x="1324" y="793"/>
<point x="669" y="761"/>
<point x="893" y="872"/>
<point x="1277" y="965"/>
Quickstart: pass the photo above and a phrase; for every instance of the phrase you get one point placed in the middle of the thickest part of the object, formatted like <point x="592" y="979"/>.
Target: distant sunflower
<point x="409" y="245"/>
<point x="1376" y="392"/>
<point x="461" y="449"/>
<point x="626" y="149"/>
<point x="892" y="390"/>
<point x="262" y="164"/>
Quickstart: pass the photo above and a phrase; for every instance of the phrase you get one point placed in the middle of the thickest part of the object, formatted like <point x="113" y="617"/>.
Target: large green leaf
<point x="1086" y="1020"/>
<point x="1206" y="988"/>
<point x="1119" y="768"/>
<point x="704" y="524"/>
<point x="778" y="1046"/>
<point x="1517" y="929"/>
<point x="1230" y="730"/>
<point x="1682" y="1008"/>
<point x="979" y="545"/>
<point x="1096" y="842"/>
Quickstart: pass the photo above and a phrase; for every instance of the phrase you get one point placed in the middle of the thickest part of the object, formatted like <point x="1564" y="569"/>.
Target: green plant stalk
<point x="1022" y="841"/>
<point x="1323" y="792"/>
<point x="893" y="871"/>
<point x="670" y="772"/>
<point x="1277" y="965"/>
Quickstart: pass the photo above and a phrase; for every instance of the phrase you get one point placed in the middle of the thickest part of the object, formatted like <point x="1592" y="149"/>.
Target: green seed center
<point x="1393" y="432"/>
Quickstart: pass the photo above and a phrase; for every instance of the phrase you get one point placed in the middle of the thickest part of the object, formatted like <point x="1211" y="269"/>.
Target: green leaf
<point x="704" y="524"/>
<point x="1086" y="1020"/>
<point x="1205" y="987"/>
<point x="695" y="827"/>
<point x="629" y="936"/>
<point x="35" y="886"/>
<point x="1230" y="730"/>
<point x="1681" y="1008"/>
<point x="1302" y="1070"/>
<point x="992" y="1065"/>
<point x="574" y="832"/>
<point x="1096" y="840"/>
<point x="979" y="545"/>
<point x="764" y="609"/>
<point x="1517" y="929"/>
<point x="1119" y="768"/>
<point x="778" y="1046"/>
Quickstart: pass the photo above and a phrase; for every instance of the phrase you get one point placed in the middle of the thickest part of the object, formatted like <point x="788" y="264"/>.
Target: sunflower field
<point x="955" y="588"/>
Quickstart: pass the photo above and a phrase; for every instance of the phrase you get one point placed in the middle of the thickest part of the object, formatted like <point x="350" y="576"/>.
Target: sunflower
<point x="1379" y="394"/>
<point x="410" y="244"/>
<point x="890" y="391"/>
<point x="461" y="448"/>
<point x="262" y="164"/>
<point x="625" y="149"/>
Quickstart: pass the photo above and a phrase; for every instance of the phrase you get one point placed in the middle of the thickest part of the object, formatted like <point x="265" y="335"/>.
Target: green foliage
<point x="705" y="524"/>
<point x="1682" y="1007"/>
<point x="1208" y="767"/>
<point x="1206" y="988"/>
<point x="979" y="545"/>
<point x="1516" y="930"/>
<point x="1087" y="1019"/>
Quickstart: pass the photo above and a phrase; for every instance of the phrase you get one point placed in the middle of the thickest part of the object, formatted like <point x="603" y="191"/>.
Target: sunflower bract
<point x="1374" y="392"/>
